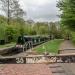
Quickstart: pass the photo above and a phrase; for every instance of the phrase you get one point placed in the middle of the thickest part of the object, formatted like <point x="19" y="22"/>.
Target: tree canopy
<point x="68" y="13"/>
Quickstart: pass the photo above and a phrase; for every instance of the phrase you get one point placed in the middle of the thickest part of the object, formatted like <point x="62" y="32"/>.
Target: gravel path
<point x="67" y="45"/>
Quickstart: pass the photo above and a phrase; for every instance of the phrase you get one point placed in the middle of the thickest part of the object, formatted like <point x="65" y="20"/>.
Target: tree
<point x="68" y="13"/>
<point x="12" y="9"/>
<point x="11" y="33"/>
<point x="18" y="11"/>
<point x="6" y="7"/>
<point x="53" y="29"/>
<point x="41" y="28"/>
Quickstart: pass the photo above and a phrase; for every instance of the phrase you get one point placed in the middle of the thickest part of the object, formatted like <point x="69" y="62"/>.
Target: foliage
<point x="2" y="27"/>
<point x="68" y="13"/>
<point x="11" y="8"/>
<point x="73" y="37"/>
<point x="12" y="44"/>
<point x="19" y="27"/>
<point x="55" y="30"/>
<point x="66" y="33"/>
<point x="11" y="33"/>
<point x="41" y="28"/>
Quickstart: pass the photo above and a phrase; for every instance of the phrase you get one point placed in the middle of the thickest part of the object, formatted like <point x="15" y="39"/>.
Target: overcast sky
<point x="40" y="10"/>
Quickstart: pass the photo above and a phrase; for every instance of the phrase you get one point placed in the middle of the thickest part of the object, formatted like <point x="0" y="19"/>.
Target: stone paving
<point x="62" y="68"/>
<point x="25" y="69"/>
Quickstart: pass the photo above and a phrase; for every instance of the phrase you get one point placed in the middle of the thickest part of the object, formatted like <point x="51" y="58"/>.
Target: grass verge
<point x="8" y="45"/>
<point x="50" y="46"/>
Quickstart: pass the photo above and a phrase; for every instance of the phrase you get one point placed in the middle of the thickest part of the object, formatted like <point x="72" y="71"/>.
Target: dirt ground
<point x="67" y="45"/>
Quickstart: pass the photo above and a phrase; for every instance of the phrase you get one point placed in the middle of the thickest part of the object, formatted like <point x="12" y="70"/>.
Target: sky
<point x="40" y="10"/>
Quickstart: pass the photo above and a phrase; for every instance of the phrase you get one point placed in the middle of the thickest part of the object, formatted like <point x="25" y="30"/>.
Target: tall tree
<point x="68" y="13"/>
<point x="53" y="30"/>
<point x="18" y="11"/>
<point x="42" y="28"/>
<point x="6" y="6"/>
<point x="12" y="8"/>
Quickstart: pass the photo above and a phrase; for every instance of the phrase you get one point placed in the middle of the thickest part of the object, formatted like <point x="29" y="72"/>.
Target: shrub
<point x="73" y="37"/>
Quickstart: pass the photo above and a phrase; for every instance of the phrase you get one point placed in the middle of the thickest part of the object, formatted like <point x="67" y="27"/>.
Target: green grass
<point x="8" y="45"/>
<point x="50" y="46"/>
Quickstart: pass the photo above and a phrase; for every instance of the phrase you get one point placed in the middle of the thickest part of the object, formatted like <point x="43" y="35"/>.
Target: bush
<point x="73" y="37"/>
<point x="2" y="42"/>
